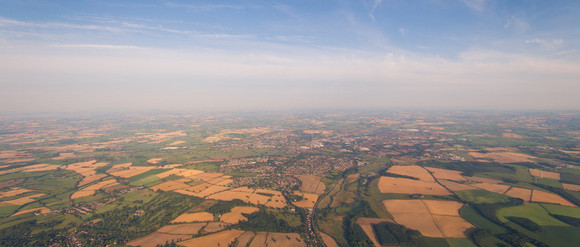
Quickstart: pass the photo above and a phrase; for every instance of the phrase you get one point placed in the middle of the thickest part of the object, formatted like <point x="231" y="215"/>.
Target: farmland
<point x="287" y="180"/>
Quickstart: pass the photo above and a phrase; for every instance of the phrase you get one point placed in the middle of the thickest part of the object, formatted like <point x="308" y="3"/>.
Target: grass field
<point x="535" y="212"/>
<point x="481" y="196"/>
<point x="460" y="242"/>
<point x="562" y="210"/>
<point x="292" y="219"/>
<point x="549" y="182"/>
<point x="147" y="174"/>
<point x="206" y="166"/>
<point x="522" y="174"/>
<point x="473" y="217"/>
<point x="148" y="181"/>
<point x="8" y="210"/>
<point x="559" y="236"/>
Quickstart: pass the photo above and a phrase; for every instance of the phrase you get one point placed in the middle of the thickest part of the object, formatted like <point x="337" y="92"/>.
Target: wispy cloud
<point x="546" y="44"/>
<point x="197" y="78"/>
<point x="373" y="8"/>
<point x="288" y="10"/>
<point x="206" y="7"/>
<point x="517" y="25"/>
<point x="403" y="32"/>
<point x="476" y="5"/>
<point x="97" y="46"/>
<point x="10" y="22"/>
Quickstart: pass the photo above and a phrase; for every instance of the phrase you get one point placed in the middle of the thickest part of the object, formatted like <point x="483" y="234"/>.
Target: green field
<point x="473" y="217"/>
<point x="147" y="174"/>
<point x="460" y="242"/>
<point x="8" y="210"/>
<point x="429" y="242"/>
<point x="481" y="196"/>
<point x="559" y="236"/>
<point x="533" y="211"/>
<point x="206" y="166"/>
<point x="562" y="210"/>
<point x="549" y="182"/>
<point x="148" y="181"/>
<point x="523" y="174"/>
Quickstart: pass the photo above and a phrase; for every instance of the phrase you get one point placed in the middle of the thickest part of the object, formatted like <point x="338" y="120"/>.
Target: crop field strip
<point x="432" y="218"/>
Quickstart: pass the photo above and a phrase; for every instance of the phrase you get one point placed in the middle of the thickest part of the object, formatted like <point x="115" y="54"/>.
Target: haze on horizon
<point x="265" y="55"/>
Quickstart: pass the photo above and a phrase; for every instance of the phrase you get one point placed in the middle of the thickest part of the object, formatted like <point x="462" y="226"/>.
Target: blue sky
<point x="252" y="55"/>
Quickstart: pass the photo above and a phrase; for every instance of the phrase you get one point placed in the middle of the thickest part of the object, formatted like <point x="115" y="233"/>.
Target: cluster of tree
<point x="22" y="234"/>
<point x="573" y="221"/>
<point x="388" y="174"/>
<point x="353" y="233"/>
<point x="488" y="209"/>
<point x="262" y="221"/>
<point x="223" y="207"/>
<point x="129" y="222"/>
<point x="517" y="239"/>
<point x="513" y="237"/>
<point x="525" y="223"/>
<point x="394" y="234"/>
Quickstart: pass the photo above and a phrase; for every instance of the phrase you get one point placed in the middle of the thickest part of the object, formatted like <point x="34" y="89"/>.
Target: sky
<point x="100" y="55"/>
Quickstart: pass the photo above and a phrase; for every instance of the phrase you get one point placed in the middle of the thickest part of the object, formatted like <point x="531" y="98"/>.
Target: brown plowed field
<point x="453" y="226"/>
<point x="446" y="174"/>
<point x="212" y="190"/>
<point x="244" y="239"/>
<point x="413" y="214"/>
<point x="154" y="161"/>
<point x="524" y="194"/>
<point x="214" y="227"/>
<point x="541" y="196"/>
<point x="432" y="218"/>
<point x="544" y="174"/>
<point x="190" y="229"/>
<point x="14" y="192"/>
<point x="198" y="188"/>
<point x="90" y="179"/>
<point x="90" y="190"/>
<point x="450" y="208"/>
<point x="328" y="240"/>
<point x="236" y="216"/>
<point x="573" y="187"/>
<point x="496" y="188"/>
<point x="453" y="186"/>
<point x="311" y="184"/>
<point x="169" y="186"/>
<point x="309" y="199"/>
<point x="131" y="171"/>
<point x="21" y="201"/>
<point x="217" y="239"/>
<point x="285" y="239"/>
<point x="176" y="143"/>
<point x="43" y="210"/>
<point x="365" y="224"/>
<point x="259" y="240"/>
<point x="412" y="171"/>
<point x="504" y="157"/>
<point x="193" y="217"/>
<point x="156" y="239"/>
<point x="410" y="186"/>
